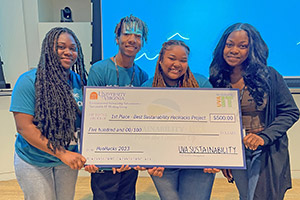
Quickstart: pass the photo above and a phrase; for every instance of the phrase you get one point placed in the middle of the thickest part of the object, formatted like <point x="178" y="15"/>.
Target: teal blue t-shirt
<point x="103" y="73"/>
<point x="23" y="101"/>
<point x="203" y="82"/>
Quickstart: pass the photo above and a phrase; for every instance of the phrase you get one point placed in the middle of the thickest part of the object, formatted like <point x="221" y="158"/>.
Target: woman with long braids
<point x="172" y="70"/>
<point x="268" y="111"/>
<point x="46" y="104"/>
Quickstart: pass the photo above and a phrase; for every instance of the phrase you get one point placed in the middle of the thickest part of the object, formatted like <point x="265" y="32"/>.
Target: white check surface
<point x="191" y="128"/>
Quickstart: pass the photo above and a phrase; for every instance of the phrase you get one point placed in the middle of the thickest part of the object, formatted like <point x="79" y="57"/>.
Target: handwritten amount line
<point x="159" y="134"/>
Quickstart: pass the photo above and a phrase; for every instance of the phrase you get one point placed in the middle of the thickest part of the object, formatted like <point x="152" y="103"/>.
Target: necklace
<point x="238" y="84"/>
<point x="118" y="76"/>
<point x="242" y="93"/>
<point x="177" y="84"/>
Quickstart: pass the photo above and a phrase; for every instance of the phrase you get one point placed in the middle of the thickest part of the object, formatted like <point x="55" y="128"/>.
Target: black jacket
<point x="281" y="114"/>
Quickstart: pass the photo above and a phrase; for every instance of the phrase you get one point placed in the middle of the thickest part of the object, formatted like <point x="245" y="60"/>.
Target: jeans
<point x="246" y="180"/>
<point x="45" y="183"/>
<point x="184" y="184"/>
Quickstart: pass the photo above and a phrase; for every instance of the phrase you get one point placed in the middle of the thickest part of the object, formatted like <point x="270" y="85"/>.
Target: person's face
<point x="129" y="43"/>
<point x="236" y="48"/>
<point x="66" y="50"/>
<point x="174" y="64"/>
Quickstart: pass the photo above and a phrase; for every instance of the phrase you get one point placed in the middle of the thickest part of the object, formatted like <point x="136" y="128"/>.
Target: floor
<point x="10" y="190"/>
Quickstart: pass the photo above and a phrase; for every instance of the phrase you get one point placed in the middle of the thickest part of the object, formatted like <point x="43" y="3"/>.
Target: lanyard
<point x="118" y="76"/>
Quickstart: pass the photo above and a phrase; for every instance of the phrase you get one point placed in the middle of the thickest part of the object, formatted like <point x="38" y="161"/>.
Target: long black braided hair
<point x="55" y="107"/>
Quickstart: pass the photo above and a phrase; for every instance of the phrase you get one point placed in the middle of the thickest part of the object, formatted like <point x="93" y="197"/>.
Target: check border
<point x="84" y="133"/>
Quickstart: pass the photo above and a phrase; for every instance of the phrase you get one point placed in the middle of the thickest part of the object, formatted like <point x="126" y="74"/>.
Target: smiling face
<point x="66" y="50"/>
<point x="130" y="42"/>
<point x="174" y="64"/>
<point x="236" y="48"/>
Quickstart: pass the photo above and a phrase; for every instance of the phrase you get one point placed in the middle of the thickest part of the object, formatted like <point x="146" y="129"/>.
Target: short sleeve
<point x="95" y="78"/>
<point x="202" y="81"/>
<point x="23" y="95"/>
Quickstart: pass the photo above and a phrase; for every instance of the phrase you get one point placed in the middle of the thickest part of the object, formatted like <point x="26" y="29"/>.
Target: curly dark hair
<point x="55" y="107"/>
<point x="187" y="80"/>
<point x="255" y="71"/>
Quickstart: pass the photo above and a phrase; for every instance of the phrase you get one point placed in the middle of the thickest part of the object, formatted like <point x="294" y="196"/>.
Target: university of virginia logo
<point x="93" y="96"/>
<point x="224" y="101"/>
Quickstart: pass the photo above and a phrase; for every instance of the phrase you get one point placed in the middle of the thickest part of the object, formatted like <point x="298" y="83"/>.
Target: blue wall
<point x="202" y="24"/>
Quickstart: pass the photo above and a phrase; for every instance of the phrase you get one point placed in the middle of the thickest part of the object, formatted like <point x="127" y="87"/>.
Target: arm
<point x="25" y="127"/>
<point x="156" y="171"/>
<point x="287" y="112"/>
<point x="252" y="141"/>
<point x="228" y="175"/>
<point x="211" y="170"/>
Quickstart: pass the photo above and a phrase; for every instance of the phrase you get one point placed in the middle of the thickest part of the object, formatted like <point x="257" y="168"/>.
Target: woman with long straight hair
<point x="268" y="111"/>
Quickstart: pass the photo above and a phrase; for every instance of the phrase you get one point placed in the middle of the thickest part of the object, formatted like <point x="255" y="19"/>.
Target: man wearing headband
<point x="119" y="70"/>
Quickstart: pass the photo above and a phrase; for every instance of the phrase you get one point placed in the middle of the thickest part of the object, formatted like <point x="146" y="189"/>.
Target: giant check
<point x="191" y="128"/>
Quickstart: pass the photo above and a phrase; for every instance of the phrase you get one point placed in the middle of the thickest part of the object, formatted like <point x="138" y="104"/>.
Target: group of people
<point x="46" y="103"/>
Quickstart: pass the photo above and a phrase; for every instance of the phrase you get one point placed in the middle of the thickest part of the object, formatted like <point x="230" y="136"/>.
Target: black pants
<point x="109" y="186"/>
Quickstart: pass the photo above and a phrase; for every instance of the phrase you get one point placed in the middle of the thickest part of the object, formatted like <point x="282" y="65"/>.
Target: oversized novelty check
<point x="185" y="128"/>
